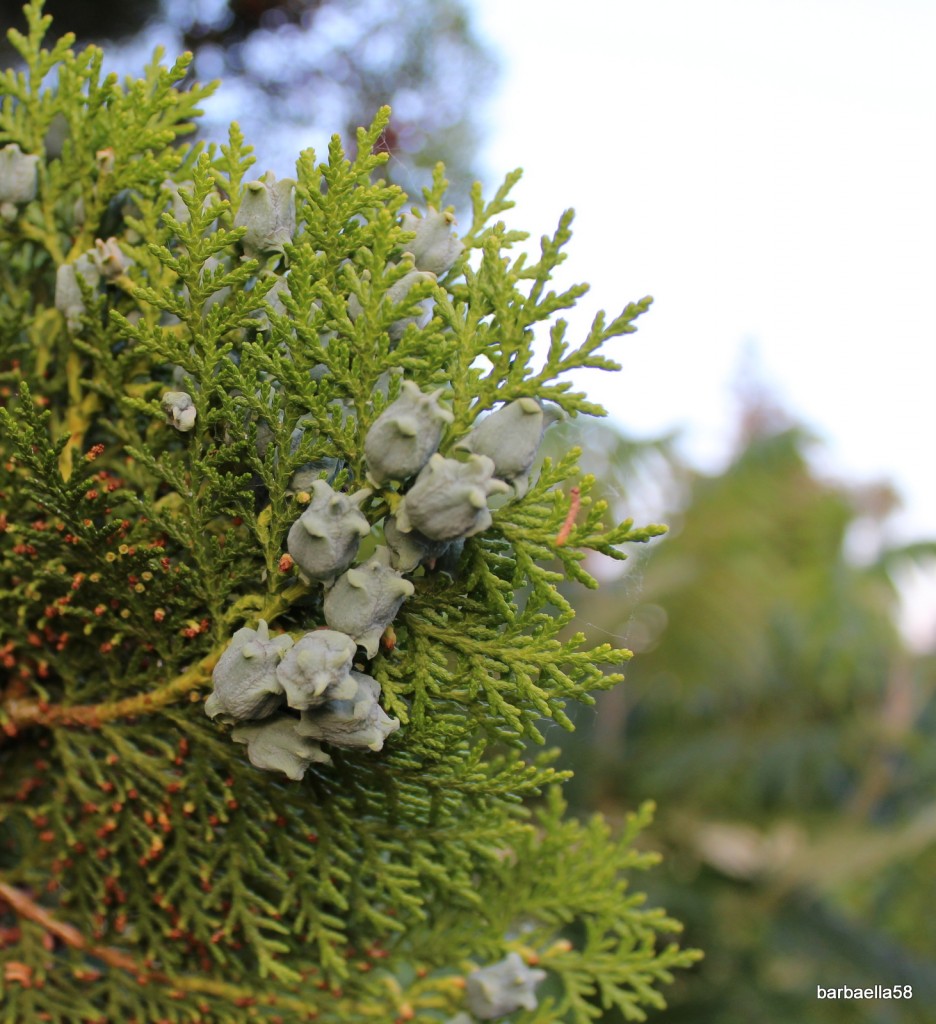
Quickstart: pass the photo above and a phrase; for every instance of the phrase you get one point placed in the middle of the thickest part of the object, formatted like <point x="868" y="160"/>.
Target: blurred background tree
<point x="782" y="724"/>
<point x="297" y="71"/>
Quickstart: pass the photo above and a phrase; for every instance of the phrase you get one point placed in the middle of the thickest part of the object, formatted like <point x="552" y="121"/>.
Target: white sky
<point x="766" y="169"/>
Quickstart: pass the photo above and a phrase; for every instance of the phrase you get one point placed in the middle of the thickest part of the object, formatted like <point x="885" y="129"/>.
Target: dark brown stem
<point x="27" y="909"/>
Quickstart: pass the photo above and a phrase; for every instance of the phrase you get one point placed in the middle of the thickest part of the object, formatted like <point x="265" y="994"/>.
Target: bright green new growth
<point x="148" y="871"/>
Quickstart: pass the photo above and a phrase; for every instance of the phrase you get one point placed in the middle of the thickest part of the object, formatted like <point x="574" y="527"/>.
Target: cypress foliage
<point x="178" y="373"/>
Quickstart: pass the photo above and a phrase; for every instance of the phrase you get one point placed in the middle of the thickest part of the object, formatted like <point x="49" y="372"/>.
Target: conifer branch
<point x="238" y="995"/>
<point x="28" y="909"/>
<point x="301" y="403"/>
<point x="18" y="713"/>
